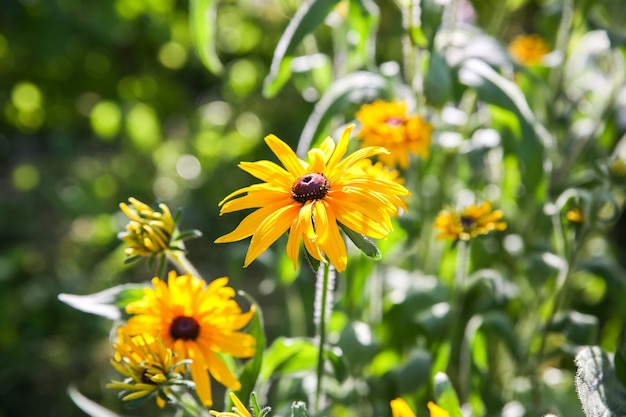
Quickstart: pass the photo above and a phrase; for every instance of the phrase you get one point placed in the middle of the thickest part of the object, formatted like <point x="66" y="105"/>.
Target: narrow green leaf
<point x="109" y="303"/>
<point x="203" y="24"/>
<point x="252" y="369"/>
<point x="358" y="87"/>
<point x="308" y="17"/>
<point x="362" y="242"/>
<point x="599" y="391"/>
<point x="288" y="355"/>
<point x="446" y="396"/>
<point x="90" y="407"/>
<point x="438" y="81"/>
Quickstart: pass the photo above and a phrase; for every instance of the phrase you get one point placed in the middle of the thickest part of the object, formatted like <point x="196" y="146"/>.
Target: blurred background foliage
<point x="105" y="100"/>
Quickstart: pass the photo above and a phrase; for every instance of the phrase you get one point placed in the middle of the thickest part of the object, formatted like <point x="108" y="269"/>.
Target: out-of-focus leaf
<point x="363" y="243"/>
<point x="203" y="24"/>
<point x="337" y="360"/>
<point x="600" y="393"/>
<point x="288" y="355"/>
<point x="252" y="369"/>
<point x="308" y="17"/>
<point x="109" y="303"/>
<point x="438" y="81"/>
<point x="445" y="395"/>
<point x="357" y="87"/>
<point x="90" y="407"/>
<point x="363" y="17"/>
<point x="413" y="373"/>
<point x="578" y="328"/>
<point x="357" y="343"/>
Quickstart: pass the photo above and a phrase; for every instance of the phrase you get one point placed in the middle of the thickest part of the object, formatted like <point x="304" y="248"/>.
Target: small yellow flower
<point x="239" y="410"/>
<point x="528" y="49"/>
<point x="196" y="321"/>
<point x="436" y="411"/>
<point x="399" y="408"/>
<point x="470" y="222"/>
<point x="388" y="125"/>
<point x="311" y="198"/>
<point x="575" y="216"/>
<point x="148" y="366"/>
<point x="148" y="232"/>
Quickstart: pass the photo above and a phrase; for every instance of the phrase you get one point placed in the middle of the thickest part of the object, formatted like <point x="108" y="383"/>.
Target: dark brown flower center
<point x="313" y="186"/>
<point x="467" y="222"/>
<point x="183" y="327"/>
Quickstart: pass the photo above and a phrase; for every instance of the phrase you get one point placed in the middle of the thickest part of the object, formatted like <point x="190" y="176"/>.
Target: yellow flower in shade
<point x="309" y="198"/>
<point x="399" y="408"/>
<point x="575" y="216"/>
<point x="148" y="366"/>
<point x="436" y="411"/>
<point x="528" y="49"/>
<point x="470" y="222"/>
<point x="239" y="410"/>
<point x="197" y="322"/>
<point x="388" y="125"/>
<point x="148" y="232"/>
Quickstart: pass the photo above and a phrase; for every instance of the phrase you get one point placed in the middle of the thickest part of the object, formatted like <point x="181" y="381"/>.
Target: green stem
<point x="192" y="410"/>
<point x="322" y="309"/>
<point x="456" y="331"/>
<point x="178" y="258"/>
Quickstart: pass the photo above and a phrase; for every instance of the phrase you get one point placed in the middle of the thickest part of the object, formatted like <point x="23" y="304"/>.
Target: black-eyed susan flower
<point x="470" y="222"/>
<point x="387" y="124"/>
<point x="399" y="408"/>
<point x="149" y="232"/>
<point x="148" y="367"/>
<point x="310" y="199"/>
<point x="196" y="321"/>
<point x="528" y="49"/>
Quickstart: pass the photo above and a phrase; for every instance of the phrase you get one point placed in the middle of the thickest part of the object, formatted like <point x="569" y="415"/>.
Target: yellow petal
<point x="275" y="223"/>
<point x="269" y="172"/>
<point x="286" y="156"/>
<point x="341" y="148"/>
<point x="199" y="374"/>
<point x="250" y="223"/>
<point x="221" y="372"/>
<point x="399" y="408"/>
<point x="334" y="246"/>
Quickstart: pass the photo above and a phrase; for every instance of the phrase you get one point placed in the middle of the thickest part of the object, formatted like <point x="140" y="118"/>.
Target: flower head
<point x="528" y="49"/>
<point x="309" y="198"/>
<point x="470" y="222"/>
<point x="575" y="215"/>
<point x="388" y="125"/>
<point x="197" y="322"/>
<point x="148" y="366"/>
<point x="148" y="232"/>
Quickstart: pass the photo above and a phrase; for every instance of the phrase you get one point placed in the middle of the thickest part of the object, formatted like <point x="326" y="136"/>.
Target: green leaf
<point x="252" y="369"/>
<point x="109" y="303"/>
<point x="357" y="87"/>
<point x="599" y="391"/>
<point x="298" y="409"/>
<point x="576" y="327"/>
<point x="445" y="395"/>
<point x="287" y="355"/>
<point x="90" y="407"/>
<point x="438" y="81"/>
<point x="363" y="243"/>
<point x="308" y="17"/>
<point x="203" y="24"/>
<point x="363" y="18"/>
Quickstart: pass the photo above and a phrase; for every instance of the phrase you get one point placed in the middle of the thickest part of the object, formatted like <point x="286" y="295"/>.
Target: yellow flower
<point x="196" y="321"/>
<point x="309" y="198"/>
<point x="388" y="125"/>
<point x="575" y="216"/>
<point x="528" y="49"/>
<point x="379" y="170"/>
<point x="148" y="232"/>
<point x="470" y="222"/>
<point x="399" y="408"/>
<point x="436" y="411"/>
<point x="148" y="366"/>
<point x="239" y="410"/>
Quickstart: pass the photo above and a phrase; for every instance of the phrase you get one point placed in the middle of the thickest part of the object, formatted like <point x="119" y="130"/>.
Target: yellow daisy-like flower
<point x="388" y="125"/>
<point x="309" y="198"/>
<point x="380" y="170"/>
<point x="528" y="49"/>
<point x="399" y="408"/>
<point x="149" y="231"/>
<point x="239" y="410"/>
<point x="196" y="321"/>
<point x="148" y="366"/>
<point x="470" y="222"/>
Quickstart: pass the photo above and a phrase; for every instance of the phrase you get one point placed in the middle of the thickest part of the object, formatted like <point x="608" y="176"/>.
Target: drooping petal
<point x="199" y="374"/>
<point x="250" y="223"/>
<point x="221" y="372"/>
<point x="268" y="171"/>
<point x="275" y="223"/>
<point x="334" y="246"/>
